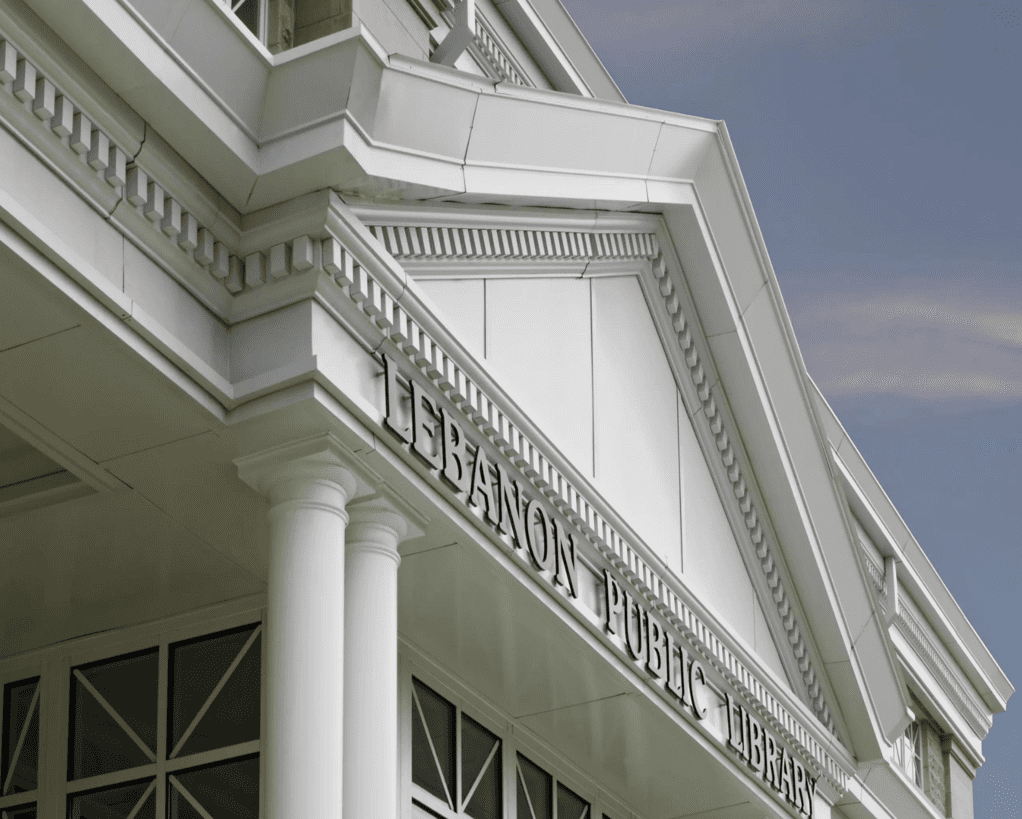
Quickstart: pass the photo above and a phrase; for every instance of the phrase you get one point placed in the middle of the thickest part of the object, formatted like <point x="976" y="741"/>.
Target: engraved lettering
<point x="810" y="796"/>
<point x="770" y="774"/>
<point x="786" y="783"/>
<point x="800" y="783"/>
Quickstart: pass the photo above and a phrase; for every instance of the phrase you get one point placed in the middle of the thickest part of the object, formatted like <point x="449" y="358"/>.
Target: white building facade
<point x="394" y="422"/>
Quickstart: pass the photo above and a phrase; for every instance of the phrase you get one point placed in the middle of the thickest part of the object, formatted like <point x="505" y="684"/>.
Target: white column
<point x="308" y="486"/>
<point x="370" y="664"/>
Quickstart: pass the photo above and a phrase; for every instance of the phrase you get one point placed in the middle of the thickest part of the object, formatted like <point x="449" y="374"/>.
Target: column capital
<point x="312" y="470"/>
<point x="376" y="525"/>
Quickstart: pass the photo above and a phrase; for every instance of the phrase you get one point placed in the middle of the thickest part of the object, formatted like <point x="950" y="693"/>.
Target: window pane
<point x="523" y="811"/>
<point x="136" y="800"/>
<point x="197" y="668"/>
<point x="439" y="717"/>
<point x="225" y="791"/>
<point x="19" y="769"/>
<point x="480" y="748"/>
<point x="248" y="13"/>
<point x="569" y="804"/>
<point x="99" y="741"/>
<point x="539" y="786"/>
<point x="22" y="812"/>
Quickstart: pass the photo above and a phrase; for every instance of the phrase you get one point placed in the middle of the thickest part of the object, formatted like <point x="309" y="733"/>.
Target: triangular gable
<point x="583" y="358"/>
<point x="587" y="296"/>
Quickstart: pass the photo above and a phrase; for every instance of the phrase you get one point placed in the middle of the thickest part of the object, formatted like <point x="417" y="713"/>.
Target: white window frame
<point x="514" y="738"/>
<point x="908" y="752"/>
<point x="261" y="16"/>
<point x="53" y="665"/>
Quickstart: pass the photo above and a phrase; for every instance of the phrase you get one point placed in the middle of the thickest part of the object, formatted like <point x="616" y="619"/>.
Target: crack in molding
<point x="76" y="130"/>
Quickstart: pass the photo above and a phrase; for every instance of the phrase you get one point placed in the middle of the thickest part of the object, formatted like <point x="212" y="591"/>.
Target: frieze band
<point x="435" y="436"/>
<point x="764" y="753"/>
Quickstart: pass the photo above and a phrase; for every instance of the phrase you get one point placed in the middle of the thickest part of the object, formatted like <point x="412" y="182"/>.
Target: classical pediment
<point x="635" y="399"/>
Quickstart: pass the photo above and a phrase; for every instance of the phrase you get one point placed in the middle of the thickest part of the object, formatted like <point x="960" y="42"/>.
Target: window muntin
<point x="247" y="11"/>
<point x="206" y="700"/>
<point x="214" y="691"/>
<point x="481" y="784"/>
<point x="535" y="791"/>
<point x="19" y="812"/>
<point x="97" y="723"/>
<point x="536" y="795"/>
<point x="114" y="715"/>
<point x="228" y="790"/>
<point x="451" y="751"/>
<point x="908" y="753"/>
<point x="569" y="804"/>
<point x="133" y="800"/>
<point x="454" y="758"/>
<point x="19" y="761"/>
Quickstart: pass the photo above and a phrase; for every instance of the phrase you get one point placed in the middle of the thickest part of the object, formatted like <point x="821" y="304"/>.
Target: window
<point x="908" y="753"/>
<point x="536" y="795"/>
<point x="19" y="757"/>
<point x="168" y="731"/>
<point x="210" y="719"/>
<point x="460" y="767"/>
<point x="250" y="13"/>
<point x="455" y="760"/>
<point x="19" y="769"/>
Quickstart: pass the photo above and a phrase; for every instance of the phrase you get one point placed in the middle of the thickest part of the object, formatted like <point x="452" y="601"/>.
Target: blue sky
<point x="880" y="142"/>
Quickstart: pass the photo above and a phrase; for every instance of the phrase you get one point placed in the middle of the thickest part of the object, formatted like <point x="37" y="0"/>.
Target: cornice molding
<point x="407" y="242"/>
<point x="65" y="134"/>
<point x="910" y="626"/>
<point x="755" y="531"/>
<point x="491" y="47"/>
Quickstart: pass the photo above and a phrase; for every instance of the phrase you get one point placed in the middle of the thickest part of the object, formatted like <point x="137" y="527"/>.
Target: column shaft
<point x="370" y="671"/>
<point x="303" y="745"/>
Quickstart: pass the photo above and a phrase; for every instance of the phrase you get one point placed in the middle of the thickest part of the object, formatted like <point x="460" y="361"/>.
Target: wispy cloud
<point x="927" y="344"/>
